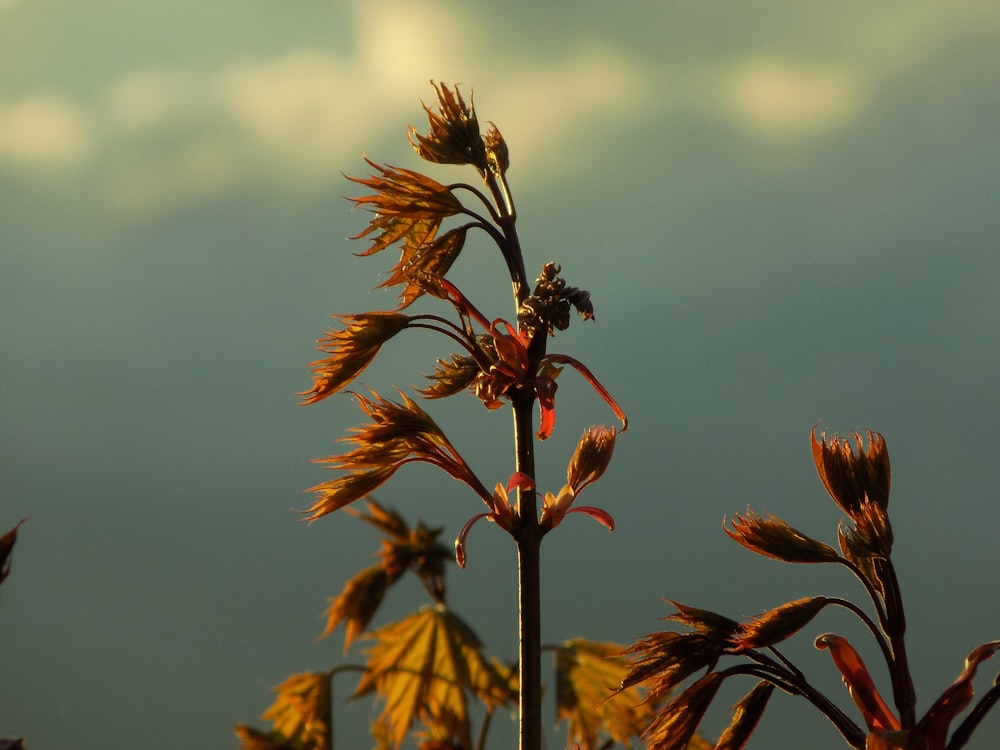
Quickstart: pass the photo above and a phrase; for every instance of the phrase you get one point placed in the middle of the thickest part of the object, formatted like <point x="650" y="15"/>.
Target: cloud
<point x="171" y="134"/>
<point x="147" y="99"/>
<point x="555" y="113"/>
<point x="298" y="107"/>
<point x="43" y="130"/>
<point x="779" y="97"/>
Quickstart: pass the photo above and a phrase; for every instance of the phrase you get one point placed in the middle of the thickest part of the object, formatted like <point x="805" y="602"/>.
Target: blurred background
<point x="787" y="215"/>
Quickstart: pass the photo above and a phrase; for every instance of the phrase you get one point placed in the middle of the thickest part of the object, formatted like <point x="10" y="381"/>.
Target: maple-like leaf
<point x="352" y="349"/>
<point x="398" y="433"/>
<point x="426" y="668"/>
<point x="422" y="256"/>
<point x="404" y="548"/>
<point x="300" y="716"/>
<point x="450" y="377"/>
<point x="587" y="674"/>
<point x="357" y="602"/>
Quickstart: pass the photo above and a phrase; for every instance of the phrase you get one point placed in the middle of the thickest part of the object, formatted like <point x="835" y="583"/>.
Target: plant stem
<point x="528" y="539"/>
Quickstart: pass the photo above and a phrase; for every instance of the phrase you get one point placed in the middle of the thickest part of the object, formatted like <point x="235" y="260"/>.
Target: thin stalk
<point x="528" y="539"/>
<point x="904" y="693"/>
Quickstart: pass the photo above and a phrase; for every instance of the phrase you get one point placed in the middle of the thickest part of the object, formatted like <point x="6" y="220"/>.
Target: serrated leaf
<point x="746" y="715"/>
<point x="450" y="377"/>
<point x="301" y="713"/>
<point x="422" y="256"/>
<point x="426" y="668"/>
<point x="774" y="626"/>
<point x="587" y="675"/>
<point x="358" y="602"/>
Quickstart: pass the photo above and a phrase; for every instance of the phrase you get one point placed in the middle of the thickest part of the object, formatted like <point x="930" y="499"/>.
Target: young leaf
<point x="776" y="625"/>
<point x="352" y="349"/>
<point x="450" y="377"/>
<point x="358" y="602"/>
<point x="300" y="715"/>
<point x="586" y="675"/>
<point x="426" y="668"/>
<point x="676" y="723"/>
<point x="746" y="714"/>
<point x="878" y="715"/>
<point x="405" y="203"/>
<point x="933" y="728"/>
<point x="852" y="474"/>
<point x="772" y="537"/>
<point x="421" y="257"/>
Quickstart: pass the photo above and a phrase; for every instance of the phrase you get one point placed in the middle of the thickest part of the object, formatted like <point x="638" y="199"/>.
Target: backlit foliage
<point x="429" y="668"/>
<point x="431" y="679"/>
<point x="856" y="474"/>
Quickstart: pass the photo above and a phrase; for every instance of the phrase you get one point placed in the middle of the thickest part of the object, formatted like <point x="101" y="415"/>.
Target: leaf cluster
<point x="856" y="475"/>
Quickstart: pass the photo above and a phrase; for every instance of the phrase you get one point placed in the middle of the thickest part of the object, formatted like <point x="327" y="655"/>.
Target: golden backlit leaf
<point x="351" y="348"/>
<point x="587" y="675"/>
<point x="406" y="204"/>
<point x="746" y="715"/>
<point x="386" y="520"/>
<point x="301" y="712"/>
<point x="774" y="626"/>
<point x="426" y="668"/>
<point x="773" y="538"/>
<point x="450" y="377"/>
<point x="358" y="602"/>
<point x="421" y="256"/>
<point x="676" y="724"/>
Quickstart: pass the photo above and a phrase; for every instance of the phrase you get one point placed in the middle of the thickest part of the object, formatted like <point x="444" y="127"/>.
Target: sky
<point x="786" y="217"/>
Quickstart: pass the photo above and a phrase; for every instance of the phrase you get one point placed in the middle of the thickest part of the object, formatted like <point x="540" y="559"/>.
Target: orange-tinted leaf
<point x="454" y="136"/>
<point x="341" y="491"/>
<point x="352" y="349"/>
<point x="565" y="359"/>
<point x="878" y="716"/>
<point x="746" y="715"/>
<point x="388" y="521"/>
<point x="714" y="626"/>
<point x="422" y="257"/>
<point x="867" y="535"/>
<point x="358" y="602"/>
<point x="667" y="658"/>
<point x="450" y="377"/>
<point x="398" y="433"/>
<point x="676" y="723"/>
<point x="426" y="668"/>
<point x="776" y="625"/>
<point x="591" y="457"/>
<point x="587" y="674"/>
<point x="300" y="714"/>
<point x="933" y="728"/>
<point x="407" y="194"/>
<point x="772" y="537"/>
<point x="853" y="473"/>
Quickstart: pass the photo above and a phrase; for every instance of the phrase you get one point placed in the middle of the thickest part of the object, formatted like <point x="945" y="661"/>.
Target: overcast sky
<point x="785" y="215"/>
